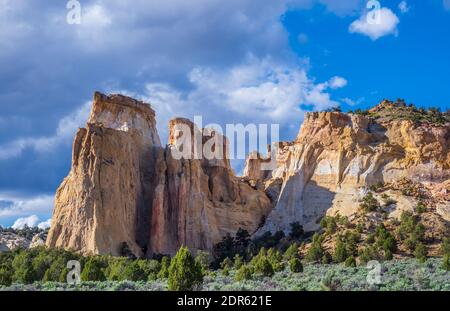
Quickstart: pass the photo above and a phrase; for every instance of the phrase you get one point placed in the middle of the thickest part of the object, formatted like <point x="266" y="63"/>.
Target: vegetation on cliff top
<point x="389" y="111"/>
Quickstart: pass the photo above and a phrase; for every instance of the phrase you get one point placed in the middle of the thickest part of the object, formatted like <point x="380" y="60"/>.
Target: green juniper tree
<point x="184" y="272"/>
<point x="295" y="265"/>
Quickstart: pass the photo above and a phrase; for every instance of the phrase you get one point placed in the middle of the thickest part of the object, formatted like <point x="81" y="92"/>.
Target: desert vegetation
<point x="400" y="110"/>
<point x="273" y="261"/>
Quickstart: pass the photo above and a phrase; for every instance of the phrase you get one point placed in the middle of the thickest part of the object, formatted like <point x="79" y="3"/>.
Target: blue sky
<point x="231" y="62"/>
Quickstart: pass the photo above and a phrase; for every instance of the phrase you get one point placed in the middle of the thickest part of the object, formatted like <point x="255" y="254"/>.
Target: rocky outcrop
<point x="127" y="192"/>
<point x="336" y="157"/>
<point x="105" y="200"/>
<point x="125" y="189"/>
<point x="198" y="201"/>
<point x="10" y="240"/>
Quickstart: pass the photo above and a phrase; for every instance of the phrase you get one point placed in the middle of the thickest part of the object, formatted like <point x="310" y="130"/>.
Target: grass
<point x="396" y="275"/>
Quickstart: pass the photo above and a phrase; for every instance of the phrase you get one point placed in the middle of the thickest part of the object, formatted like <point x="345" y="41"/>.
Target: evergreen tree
<point x="316" y="251"/>
<point x="291" y="252"/>
<point x="184" y="272"/>
<point x="164" y="272"/>
<point x="6" y="275"/>
<point x="445" y="246"/>
<point x="295" y="265"/>
<point x="350" y="262"/>
<point x="263" y="266"/>
<point x="93" y="270"/>
<point x="446" y="263"/>
<point x="340" y="252"/>
<point x="238" y="261"/>
<point x="244" y="273"/>
<point x="420" y="252"/>
<point x="22" y="265"/>
<point x="203" y="259"/>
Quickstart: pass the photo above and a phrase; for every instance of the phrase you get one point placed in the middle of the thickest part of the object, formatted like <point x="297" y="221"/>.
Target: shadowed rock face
<point x="124" y="187"/>
<point x="198" y="201"/>
<point x="105" y="199"/>
<point x="336" y="157"/>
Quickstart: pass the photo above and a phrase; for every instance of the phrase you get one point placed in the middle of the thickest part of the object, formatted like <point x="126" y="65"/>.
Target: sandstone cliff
<point x="337" y="157"/>
<point x="198" y="201"/>
<point x="124" y="187"/>
<point x="103" y="201"/>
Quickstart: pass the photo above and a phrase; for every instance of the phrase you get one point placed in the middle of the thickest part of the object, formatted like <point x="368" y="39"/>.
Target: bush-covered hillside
<point x="396" y="275"/>
<point x="399" y="110"/>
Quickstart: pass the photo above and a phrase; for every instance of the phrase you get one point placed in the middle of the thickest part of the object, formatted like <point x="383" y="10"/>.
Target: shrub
<point x="446" y="263"/>
<point x="369" y="203"/>
<point x="244" y="273"/>
<point x="420" y="252"/>
<point x="57" y="272"/>
<point x="370" y="238"/>
<point x="164" y="272"/>
<point x="152" y="268"/>
<point x="93" y="270"/>
<point x="225" y="248"/>
<point x="225" y="271"/>
<point x="445" y="247"/>
<point x="369" y="253"/>
<point x="6" y="275"/>
<point x="316" y="251"/>
<point x="388" y="255"/>
<point x="238" y="261"/>
<point x="340" y="251"/>
<point x="411" y="231"/>
<point x="350" y="262"/>
<point x="226" y="263"/>
<point x="135" y="270"/>
<point x="203" y="259"/>
<point x="420" y="208"/>
<point x="295" y="265"/>
<point x="184" y="272"/>
<point x="326" y="258"/>
<point x="263" y="266"/>
<point x="275" y="258"/>
<point x="22" y="265"/>
<point x="41" y="263"/>
<point x="329" y="224"/>
<point x="291" y="252"/>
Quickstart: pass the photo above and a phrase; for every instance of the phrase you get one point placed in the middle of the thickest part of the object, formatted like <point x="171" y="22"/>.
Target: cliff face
<point x="198" y="201"/>
<point x="124" y="187"/>
<point x="104" y="200"/>
<point x="336" y="157"/>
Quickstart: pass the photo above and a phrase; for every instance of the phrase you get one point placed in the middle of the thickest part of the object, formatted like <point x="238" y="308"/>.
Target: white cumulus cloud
<point x="376" y="24"/>
<point x="45" y="224"/>
<point x="30" y="221"/>
<point x="337" y="82"/>
<point x="256" y="91"/>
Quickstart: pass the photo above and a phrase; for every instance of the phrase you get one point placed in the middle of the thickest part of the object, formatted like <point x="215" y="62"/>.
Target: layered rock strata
<point x="124" y="188"/>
